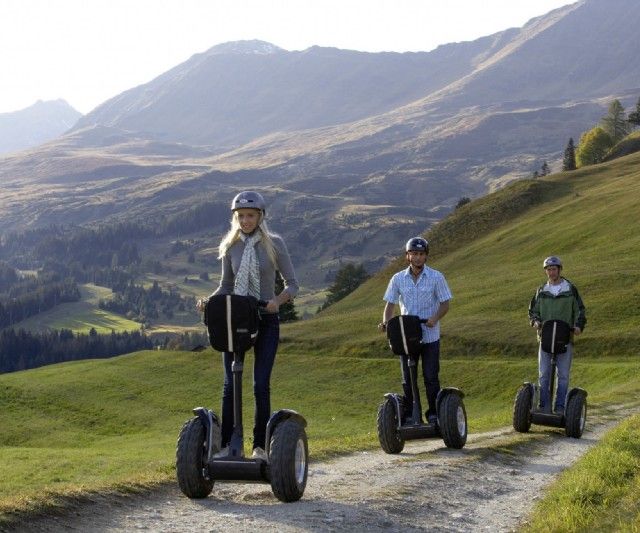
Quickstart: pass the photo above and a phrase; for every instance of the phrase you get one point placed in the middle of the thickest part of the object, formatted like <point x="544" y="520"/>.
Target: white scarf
<point x="247" y="280"/>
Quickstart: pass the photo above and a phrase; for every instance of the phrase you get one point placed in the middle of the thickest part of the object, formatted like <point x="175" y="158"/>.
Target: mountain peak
<point x="254" y="46"/>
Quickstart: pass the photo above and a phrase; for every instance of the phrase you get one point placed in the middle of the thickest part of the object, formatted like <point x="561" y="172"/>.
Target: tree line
<point x="30" y="295"/>
<point x="140" y="304"/>
<point x="21" y="350"/>
<point x="596" y="143"/>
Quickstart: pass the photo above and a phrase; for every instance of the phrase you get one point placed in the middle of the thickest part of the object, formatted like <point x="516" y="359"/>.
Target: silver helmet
<point x="552" y="260"/>
<point x="248" y="200"/>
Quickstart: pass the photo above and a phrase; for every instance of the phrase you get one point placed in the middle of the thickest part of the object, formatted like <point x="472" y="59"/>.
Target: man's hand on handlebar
<point x="201" y="304"/>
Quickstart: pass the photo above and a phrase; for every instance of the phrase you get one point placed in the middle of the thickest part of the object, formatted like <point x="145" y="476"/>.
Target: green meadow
<point x="111" y="425"/>
<point x="82" y="315"/>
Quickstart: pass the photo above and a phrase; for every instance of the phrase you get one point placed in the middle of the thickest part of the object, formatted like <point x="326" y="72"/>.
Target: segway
<point x="232" y="323"/>
<point x="555" y="335"/>
<point x="404" y="333"/>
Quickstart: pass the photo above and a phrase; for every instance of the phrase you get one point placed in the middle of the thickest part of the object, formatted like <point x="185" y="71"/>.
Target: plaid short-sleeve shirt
<point x="421" y="298"/>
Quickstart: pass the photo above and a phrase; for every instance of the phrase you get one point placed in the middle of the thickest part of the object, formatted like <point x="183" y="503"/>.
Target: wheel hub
<point x="300" y="462"/>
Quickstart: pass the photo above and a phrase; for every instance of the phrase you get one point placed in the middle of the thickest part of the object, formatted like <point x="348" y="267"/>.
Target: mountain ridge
<point x="35" y="124"/>
<point x="478" y="124"/>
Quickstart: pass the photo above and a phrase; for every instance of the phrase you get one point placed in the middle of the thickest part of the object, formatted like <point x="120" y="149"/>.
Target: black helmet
<point x="417" y="244"/>
<point x="248" y="200"/>
<point x="552" y="260"/>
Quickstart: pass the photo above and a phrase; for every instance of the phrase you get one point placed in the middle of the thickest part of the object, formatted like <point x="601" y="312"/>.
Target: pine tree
<point x="615" y="123"/>
<point x="545" y="170"/>
<point x="288" y="311"/>
<point x="569" y="159"/>
<point x="634" y="118"/>
<point x="348" y="279"/>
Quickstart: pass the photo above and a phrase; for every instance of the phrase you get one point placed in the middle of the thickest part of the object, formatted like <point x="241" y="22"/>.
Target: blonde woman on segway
<point x="250" y="256"/>
<point x="557" y="299"/>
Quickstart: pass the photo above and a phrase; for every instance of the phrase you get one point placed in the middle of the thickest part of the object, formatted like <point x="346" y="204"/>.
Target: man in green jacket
<point x="557" y="299"/>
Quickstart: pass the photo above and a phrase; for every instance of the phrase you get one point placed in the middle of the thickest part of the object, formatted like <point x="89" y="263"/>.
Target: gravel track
<point x="490" y="485"/>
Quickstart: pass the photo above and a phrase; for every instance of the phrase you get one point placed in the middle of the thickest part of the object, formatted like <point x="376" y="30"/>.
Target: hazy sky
<point x="86" y="51"/>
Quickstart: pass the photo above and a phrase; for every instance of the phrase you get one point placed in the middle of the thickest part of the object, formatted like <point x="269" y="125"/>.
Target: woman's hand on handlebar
<point x="273" y="306"/>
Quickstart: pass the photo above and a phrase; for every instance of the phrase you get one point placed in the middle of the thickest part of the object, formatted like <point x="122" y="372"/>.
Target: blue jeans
<point x="563" y="365"/>
<point x="265" y="355"/>
<point x="430" y="368"/>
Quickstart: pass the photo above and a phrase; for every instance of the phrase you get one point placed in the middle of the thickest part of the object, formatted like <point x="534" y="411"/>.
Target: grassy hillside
<point x="491" y="253"/>
<point x="112" y="424"/>
<point x="82" y="315"/>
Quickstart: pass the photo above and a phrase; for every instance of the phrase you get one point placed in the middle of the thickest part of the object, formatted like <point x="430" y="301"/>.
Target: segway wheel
<point x="390" y="439"/>
<point x="576" y="415"/>
<point x="191" y="457"/>
<point x="453" y="421"/>
<point x="522" y="410"/>
<point x="289" y="460"/>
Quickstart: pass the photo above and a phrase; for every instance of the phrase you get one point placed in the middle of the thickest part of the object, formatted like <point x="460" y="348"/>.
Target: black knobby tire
<point x="390" y="439"/>
<point x="576" y="415"/>
<point x="289" y="460"/>
<point x="522" y="409"/>
<point x="191" y="454"/>
<point x="452" y="418"/>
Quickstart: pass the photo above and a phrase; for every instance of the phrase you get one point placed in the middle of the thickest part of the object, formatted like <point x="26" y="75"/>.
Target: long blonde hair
<point x="233" y="235"/>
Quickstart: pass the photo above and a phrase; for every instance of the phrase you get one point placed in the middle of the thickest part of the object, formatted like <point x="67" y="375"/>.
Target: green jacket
<point x="567" y="306"/>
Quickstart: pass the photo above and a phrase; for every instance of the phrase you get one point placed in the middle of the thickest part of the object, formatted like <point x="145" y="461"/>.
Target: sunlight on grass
<point x="81" y="316"/>
<point x="600" y="493"/>
<point x="132" y="408"/>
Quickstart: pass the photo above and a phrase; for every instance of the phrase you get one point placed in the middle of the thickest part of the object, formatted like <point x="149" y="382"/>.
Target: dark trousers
<point x="430" y="368"/>
<point x="265" y="356"/>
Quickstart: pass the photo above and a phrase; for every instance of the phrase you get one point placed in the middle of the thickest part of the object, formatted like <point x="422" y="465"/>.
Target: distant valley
<point x="353" y="151"/>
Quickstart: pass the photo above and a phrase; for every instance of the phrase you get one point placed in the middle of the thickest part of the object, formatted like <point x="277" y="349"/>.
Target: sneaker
<point x="222" y="453"/>
<point x="433" y="419"/>
<point x="259" y="453"/>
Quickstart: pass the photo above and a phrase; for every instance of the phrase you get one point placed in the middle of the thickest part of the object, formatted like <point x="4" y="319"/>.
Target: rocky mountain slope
<point x="35" y="125"/>
<point x="353" y="151"/>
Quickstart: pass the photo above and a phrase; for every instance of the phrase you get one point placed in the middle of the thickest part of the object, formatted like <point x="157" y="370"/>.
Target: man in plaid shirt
<point x="424" y="292"/>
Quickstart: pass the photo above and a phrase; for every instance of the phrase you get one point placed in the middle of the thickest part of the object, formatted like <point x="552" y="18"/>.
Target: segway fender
<point x="443" y="393"/>
<point x="534" y="392"/>
<point x="575" y="391"/>
<point x="397" y="400"/>
<point x="208" y="419"/>
<point x="279" y="417"/>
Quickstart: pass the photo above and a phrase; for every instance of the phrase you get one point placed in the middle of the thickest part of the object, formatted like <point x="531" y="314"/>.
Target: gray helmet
<point x="417" y="244"/>
<point x="248" y="200"/>
<point x="552" y="260"/>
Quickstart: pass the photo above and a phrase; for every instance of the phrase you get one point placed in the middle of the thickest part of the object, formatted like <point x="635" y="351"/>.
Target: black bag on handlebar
<point x="554" y="336"/>
<point x="405" y="335"/>
<point x="232" y="322"/>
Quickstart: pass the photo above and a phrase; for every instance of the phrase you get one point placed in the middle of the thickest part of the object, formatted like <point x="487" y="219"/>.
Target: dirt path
<point x="490" y="485"/>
